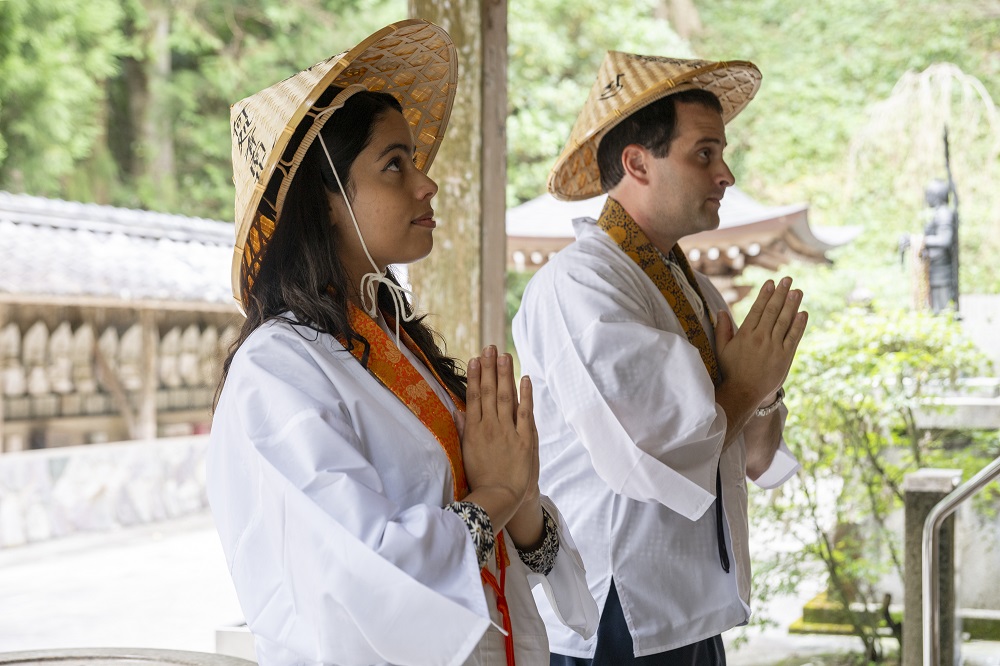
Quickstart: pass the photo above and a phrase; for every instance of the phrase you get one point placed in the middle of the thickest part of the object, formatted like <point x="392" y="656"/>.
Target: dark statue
<point x="941" y="245"/>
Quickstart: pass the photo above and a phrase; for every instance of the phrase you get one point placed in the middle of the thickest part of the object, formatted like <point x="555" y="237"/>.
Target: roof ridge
<point x="101" y="218"/>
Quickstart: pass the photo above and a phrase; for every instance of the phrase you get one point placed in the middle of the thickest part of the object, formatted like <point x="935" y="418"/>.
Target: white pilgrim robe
<point x="630" y="438"/>
<point x="327" y="493"/>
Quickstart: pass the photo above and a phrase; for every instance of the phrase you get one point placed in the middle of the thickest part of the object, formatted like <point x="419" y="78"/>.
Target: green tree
<point x="55" y="58"/>
<point x="828" y="68"/>
<point x="219" y="52"/>
<point x="856" y="384"/>
<point x="556" y="47"/>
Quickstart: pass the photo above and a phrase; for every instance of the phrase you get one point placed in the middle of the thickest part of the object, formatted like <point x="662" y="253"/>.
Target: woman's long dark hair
<point x="301" y="271"/>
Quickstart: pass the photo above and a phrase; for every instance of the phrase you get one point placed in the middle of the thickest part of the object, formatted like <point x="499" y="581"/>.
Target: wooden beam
<point x="493" y="328"/>
<point x="461" y="284"/>
<point x="3" y="380"/>
<point x="119" y="303"/>
<point x="146" y="422"/>
<point x="117" y="390"/>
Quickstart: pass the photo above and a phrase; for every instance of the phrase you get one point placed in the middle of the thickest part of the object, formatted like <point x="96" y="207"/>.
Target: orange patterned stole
<point x="387" y="363"/>
<point x="623" y="230"/>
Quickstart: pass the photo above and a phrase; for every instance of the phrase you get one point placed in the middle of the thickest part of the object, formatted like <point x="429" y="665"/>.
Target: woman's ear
<point x="635" y="162"/>
<point x="335" y="207"/>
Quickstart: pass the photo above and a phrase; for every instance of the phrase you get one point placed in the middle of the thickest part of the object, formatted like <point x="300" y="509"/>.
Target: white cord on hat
<point x="369" y="281"/>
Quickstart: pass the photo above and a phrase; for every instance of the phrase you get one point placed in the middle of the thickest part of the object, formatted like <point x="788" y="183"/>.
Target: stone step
<point x="820" y="615"/>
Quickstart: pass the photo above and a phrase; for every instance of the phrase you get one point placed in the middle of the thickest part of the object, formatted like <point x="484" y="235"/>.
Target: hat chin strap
<point x="369" y="281"/>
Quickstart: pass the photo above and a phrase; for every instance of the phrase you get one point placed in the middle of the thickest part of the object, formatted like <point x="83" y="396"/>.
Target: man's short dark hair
<point x="652" y="127"/>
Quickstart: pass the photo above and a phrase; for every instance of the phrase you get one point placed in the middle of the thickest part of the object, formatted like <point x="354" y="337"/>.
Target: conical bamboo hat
<point x="414" y="60"/>
<point x="627" y="82"/>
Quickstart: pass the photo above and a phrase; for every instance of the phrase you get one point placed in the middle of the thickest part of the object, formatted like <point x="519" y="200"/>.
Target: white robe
<point x="630" y="441"/>
<point x="327" y="493"/>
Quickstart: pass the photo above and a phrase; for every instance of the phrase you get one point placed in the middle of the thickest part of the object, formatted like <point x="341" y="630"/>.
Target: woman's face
<point x="392" y="202"/>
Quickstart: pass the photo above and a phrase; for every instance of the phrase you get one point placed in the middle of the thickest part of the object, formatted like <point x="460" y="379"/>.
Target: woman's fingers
<point x="488" y="381"/>
<point x="525" y="413"/>
<point x="473" y="395"/>
<point x="506" y="395"/>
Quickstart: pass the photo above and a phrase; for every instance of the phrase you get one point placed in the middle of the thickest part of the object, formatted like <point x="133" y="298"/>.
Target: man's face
<point x="689" y="182"/>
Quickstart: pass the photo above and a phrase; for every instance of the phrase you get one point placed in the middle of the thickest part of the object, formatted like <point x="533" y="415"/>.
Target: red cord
<point x="498" y="589"/>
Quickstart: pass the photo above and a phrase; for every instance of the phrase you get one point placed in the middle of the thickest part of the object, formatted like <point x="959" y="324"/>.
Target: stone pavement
<point x="166" y="586"/>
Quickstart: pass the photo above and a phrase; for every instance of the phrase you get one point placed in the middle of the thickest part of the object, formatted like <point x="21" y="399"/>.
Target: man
<point x="648" y="405"/>
<point x="940" y="242"/>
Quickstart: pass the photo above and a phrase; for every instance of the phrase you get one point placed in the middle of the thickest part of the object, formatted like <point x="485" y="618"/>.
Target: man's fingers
<point x="774" y="305"/>
<point x="723" y="330"/>
<point x="796" y="331"/>
<point x="473" y="395"/>
<point x="757" y="309"/>
<point x="506" y="396"/>
<point x="787" y="315"/>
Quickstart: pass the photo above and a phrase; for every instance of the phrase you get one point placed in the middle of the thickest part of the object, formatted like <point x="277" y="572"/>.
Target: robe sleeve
<point x="638" y="397"/>
<point x="784" y="464"/>
<point x="325" y="565"/>
<point x="565" y="586"/>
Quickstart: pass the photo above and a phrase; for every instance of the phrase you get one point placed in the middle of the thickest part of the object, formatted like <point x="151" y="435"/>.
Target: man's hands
<point x="755" y="360"/>
<point x="500" y="447"/>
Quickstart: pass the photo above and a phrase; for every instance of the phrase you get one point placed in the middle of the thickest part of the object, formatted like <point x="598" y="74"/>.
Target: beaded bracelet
<point x="764" y="411"/>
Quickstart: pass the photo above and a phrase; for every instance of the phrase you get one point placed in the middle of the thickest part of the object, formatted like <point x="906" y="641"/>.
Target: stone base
<point x="820" y="615"/>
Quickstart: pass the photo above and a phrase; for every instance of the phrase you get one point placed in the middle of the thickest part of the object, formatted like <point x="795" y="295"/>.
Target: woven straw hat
<point x="627" y="82"/>
<point x="414" y="60"/>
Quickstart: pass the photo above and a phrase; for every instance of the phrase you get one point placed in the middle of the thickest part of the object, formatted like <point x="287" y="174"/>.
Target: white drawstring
<point x="369" y="281"/>
<point x="689" y="291"/>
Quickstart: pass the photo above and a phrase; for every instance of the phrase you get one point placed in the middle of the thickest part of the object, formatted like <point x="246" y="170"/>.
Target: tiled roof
<point x="739" y="215"/>
<point x="66" y="249"/>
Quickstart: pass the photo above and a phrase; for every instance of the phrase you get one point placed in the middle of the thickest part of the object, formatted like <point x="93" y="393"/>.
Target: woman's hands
<point x="500" y="447"/>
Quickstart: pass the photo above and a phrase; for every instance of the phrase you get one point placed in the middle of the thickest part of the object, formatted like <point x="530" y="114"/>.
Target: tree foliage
<point x="91" y="105"/>
<point x="556" y="47"/>
<point x="829" y="68"/>
<point x="54" y="58"/>
<point x="858" y="382"/>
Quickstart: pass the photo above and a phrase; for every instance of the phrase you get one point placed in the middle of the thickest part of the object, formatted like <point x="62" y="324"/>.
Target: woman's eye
<point x="393" y="164"/>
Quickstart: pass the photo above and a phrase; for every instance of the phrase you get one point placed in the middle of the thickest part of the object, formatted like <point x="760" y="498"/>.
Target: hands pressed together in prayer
<point x="500" y="448"/>
<point x="755" y="360"/>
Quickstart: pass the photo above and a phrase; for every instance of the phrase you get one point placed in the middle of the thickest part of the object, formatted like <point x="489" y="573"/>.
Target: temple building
<point x="112" y="322"/>
<point x="749" y="234"/>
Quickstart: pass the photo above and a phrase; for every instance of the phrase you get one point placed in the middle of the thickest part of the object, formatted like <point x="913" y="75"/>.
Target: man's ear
<point x="635" y="162"/>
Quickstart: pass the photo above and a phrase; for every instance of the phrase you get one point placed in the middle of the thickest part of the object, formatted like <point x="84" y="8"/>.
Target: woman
<point x="362" y="523"/>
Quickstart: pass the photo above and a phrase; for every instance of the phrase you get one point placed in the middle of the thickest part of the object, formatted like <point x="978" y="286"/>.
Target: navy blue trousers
<point x="614" y="645"/>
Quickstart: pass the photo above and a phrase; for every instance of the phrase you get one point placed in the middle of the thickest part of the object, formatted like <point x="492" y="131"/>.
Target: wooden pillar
<point x="461" y="284"/>
<point x="146" y="421"/>
<point x="3" y="381"/>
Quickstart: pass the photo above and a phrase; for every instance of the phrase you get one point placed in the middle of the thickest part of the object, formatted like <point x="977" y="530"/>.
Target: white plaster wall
<point x="50" y="493"/>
